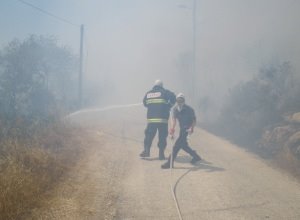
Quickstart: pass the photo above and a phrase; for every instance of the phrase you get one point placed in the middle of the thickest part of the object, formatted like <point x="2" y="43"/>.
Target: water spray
<point x="103" y="109"/>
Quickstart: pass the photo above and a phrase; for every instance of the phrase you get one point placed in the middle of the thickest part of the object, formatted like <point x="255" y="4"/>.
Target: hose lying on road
<point x="173" y="187"/>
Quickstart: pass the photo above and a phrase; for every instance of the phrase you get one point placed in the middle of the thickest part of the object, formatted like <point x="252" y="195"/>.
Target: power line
<point x="48" y="13"/>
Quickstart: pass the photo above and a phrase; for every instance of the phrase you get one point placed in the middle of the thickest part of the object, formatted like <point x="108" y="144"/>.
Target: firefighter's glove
<point x="190" y="130"/>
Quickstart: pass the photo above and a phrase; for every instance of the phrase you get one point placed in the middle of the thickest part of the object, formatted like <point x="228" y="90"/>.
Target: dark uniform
<point x="158" y="101"/>
<point x="186" y="117"/>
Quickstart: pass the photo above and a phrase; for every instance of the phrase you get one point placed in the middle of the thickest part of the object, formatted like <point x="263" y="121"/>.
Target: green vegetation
<point x="37" y="88"/>
<point x="259" y="113"/>
<point x="37" y="79"/>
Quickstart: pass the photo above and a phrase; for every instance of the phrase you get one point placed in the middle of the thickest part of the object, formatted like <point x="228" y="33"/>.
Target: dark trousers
<point x="181" y="143"/>
<point x="150" y="132"/>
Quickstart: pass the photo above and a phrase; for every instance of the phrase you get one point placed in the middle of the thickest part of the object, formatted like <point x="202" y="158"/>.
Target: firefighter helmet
<point x="158" y="82"/>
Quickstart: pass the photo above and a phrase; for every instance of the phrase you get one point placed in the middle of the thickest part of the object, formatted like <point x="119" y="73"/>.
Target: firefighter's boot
<point x="161" y="154"/>
<point x="195" y="158"/>
<point x="145" y="153"/>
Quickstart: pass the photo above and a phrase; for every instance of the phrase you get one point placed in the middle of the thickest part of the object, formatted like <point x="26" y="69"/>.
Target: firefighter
<point x="158" y="102"/>
<point x="187" y="120"/>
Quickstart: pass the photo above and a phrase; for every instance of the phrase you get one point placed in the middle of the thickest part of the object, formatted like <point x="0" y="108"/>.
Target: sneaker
<point x="145" y="154"/>
<point x="166" y="165"/>
<point x="195" y="159"/>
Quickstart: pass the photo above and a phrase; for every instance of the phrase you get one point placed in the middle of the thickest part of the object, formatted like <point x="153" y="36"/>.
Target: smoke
<point x="129" y="44"/>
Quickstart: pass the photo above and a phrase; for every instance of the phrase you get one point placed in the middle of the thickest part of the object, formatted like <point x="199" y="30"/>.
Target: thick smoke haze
<point x="128" y="44"/>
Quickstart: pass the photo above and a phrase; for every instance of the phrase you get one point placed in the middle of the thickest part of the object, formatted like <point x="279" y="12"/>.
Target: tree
<point x="36" y="76"/>
<point x="259" y="103"/>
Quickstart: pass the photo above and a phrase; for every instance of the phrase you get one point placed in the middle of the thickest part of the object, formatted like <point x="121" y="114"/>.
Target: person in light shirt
<point x="186" y="117"/>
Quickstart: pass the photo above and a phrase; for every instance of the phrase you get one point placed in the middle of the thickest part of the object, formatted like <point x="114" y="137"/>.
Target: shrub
<point x="31" y="167"/>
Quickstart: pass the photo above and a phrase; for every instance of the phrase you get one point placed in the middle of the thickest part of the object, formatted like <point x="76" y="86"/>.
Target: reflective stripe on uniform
<point x="157" y="120"/>
<point x="156" y="101"/>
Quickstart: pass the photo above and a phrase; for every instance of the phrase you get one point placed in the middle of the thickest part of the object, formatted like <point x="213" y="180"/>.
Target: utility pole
<point x="193" y="77"/>
<point x="192" y="89"/>
<point x="80" y="67"/>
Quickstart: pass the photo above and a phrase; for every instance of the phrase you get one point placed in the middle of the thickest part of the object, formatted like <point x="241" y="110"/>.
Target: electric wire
<point x="48" y="13"/>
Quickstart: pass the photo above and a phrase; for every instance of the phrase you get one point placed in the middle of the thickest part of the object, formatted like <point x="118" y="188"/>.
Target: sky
<point x="128" y="44"/>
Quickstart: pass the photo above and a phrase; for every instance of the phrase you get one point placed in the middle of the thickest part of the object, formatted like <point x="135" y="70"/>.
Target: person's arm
<point x="192" y="126"/>
<point x="172" y="128"/>
<point x="173" y="123"/>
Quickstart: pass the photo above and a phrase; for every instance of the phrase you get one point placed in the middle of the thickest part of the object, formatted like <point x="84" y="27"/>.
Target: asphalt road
<point x="230" y="183"/>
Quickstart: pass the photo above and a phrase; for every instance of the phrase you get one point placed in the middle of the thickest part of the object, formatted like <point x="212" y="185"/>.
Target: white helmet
<point x="158" y="82"/>
<point x="180" y="95"/>
<point x="180" y="98"/>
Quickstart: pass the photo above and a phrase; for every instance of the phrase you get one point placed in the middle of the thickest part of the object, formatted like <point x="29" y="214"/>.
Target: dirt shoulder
<point x="90" y="190"/>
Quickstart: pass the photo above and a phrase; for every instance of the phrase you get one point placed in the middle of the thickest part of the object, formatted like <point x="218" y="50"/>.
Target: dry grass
<point x="30" y="167"/>
<point x="287" y="160"/>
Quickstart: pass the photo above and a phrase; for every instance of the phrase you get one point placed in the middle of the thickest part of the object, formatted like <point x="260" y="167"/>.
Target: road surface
<point x="112" y="182"/>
